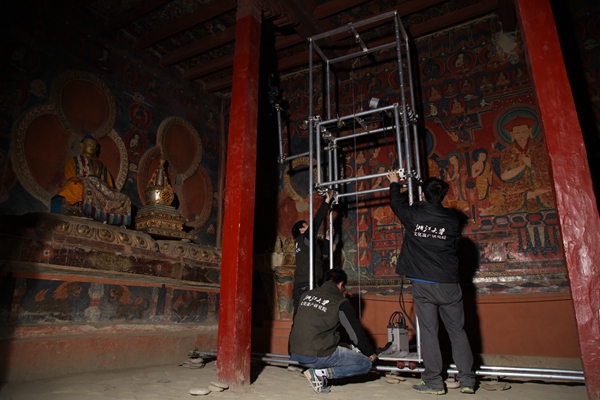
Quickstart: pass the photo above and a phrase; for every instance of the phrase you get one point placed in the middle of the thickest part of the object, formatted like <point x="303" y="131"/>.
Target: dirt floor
<point x="268" y="382"/>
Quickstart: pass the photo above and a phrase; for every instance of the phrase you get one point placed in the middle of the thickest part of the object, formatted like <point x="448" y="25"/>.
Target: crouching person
<point x="314" y="340"/>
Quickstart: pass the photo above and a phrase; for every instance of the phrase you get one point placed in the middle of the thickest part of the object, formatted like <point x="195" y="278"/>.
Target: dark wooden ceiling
<point x="197" y="37"/>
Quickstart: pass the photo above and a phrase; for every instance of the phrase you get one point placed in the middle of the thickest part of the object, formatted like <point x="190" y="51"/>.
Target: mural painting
<point x="37" y="301"/>
<point x="481" y="133"/>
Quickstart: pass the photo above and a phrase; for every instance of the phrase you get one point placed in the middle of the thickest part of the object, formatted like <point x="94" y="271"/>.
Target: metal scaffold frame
<point x="327" y="133"/>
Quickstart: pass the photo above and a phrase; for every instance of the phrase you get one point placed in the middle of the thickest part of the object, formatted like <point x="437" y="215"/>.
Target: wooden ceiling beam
<point x="208" y="68"/>
<point x="283" y="42"/>
<point x="330" y="8"/>
<point x="227" y="61"/>
<point x="198" y="47"/>
<point x="219" y="39"/>
<point x="308" y="25"/>
<point x="201" y="14"/>
<point x="133" y="13"/>
<point x="295" y="60"/>
<point x="422" y="29"/>
<point x="218" y="84"/>
<point x="301" y="58"/>
<point x="454" y="18"/>
<point x="415" y="6"/>
<point x="404" y="9"/>
<point x="282" y="65"/>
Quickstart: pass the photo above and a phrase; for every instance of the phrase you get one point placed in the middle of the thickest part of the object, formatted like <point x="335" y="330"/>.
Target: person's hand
<point x="393" y="177"/>
<point x="373" y="357"/>
<point x="328" y="196"/>
<point x="328" y="235"/>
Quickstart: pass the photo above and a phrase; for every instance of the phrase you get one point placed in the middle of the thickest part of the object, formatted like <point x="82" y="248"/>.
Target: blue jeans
<point x="343" y="361"/>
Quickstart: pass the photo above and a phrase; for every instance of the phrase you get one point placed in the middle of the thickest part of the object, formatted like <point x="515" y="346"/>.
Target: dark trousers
<point x="445" y="300"/>
<point x="297" y="292"/>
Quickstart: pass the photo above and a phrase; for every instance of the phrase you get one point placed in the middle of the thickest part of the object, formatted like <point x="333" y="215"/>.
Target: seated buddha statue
<point x="91" y="188"/>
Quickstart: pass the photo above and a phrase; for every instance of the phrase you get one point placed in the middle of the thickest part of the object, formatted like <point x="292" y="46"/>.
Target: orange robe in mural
<point x="530" y="190"/>
<point x="483" y="180"/>
<point x="456" y="176"/>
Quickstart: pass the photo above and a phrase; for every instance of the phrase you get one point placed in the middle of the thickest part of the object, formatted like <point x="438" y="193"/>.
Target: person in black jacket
<point x="428" y="258"/>
<point x="314" y="340"/>
<point x="301" y="234"/>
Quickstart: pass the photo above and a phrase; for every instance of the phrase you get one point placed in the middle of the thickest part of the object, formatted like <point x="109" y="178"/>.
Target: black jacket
<point x="320" y="313"/>
<point x="301" y="274"/>
<point x="431" y="235"/>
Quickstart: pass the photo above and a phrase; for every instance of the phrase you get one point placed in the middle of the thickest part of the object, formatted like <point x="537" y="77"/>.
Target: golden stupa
<point x="158" y="217"/>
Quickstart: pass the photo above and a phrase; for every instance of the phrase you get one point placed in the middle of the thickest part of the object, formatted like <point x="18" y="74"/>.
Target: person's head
<point x="338" y="277"/>
<point x="434" y="190"/>
<point x="454" y="158"/>
<point x="299" y="228"/>
<point x="88" y="146"/>
<point x="480" y="154"/>
<point x="521" y="133"/>
<point x="520" y="128"/>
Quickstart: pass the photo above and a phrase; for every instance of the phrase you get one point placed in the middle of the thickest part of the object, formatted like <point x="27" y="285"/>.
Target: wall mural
<point x="98" y="88"/>
<point x="37" y="301"/>
<point x="480" y="133"/>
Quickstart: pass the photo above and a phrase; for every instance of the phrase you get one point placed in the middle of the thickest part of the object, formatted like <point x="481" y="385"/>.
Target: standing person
<point x="314" y="340"/>
<point x="429" y="259"/>
<point x="301" y="234"/>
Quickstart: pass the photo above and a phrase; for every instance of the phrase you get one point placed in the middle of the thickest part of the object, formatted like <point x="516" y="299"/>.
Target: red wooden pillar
<point x="575" y="199"/>
<point x="233" y="352"/>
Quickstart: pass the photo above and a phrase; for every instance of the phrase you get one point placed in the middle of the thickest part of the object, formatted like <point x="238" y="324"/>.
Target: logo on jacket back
<point x="315" y="302"/>
<point x="426" y="231"/>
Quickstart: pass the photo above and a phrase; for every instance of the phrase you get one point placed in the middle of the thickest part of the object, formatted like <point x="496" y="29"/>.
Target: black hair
<point x="296" y="228"/>
<point x="435" y="190"/>
<point x="336" y="275"/>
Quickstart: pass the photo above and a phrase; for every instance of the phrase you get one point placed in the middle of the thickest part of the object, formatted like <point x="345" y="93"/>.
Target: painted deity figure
<point x="524" y="172"/>
<point x="434" y="94"/>
<point x="481" y="172"/>
<point x="502" y="79"/>
<point x="379" y="182"/>
<point x="457" y="107"/>
<point x="91" y="188"/>
<point x="456" y="176"/>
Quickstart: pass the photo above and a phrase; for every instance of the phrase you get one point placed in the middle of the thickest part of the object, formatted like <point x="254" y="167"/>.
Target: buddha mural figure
<point x="91" y="188"/>
<point x="524" y="172"/>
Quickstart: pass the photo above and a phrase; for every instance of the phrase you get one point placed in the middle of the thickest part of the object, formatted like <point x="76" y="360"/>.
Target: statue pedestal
<point x="162" y="221"/>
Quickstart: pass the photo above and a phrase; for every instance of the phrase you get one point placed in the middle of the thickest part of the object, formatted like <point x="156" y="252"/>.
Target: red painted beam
<point x="575" y="199"/>
<point x="233" y="344"/>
